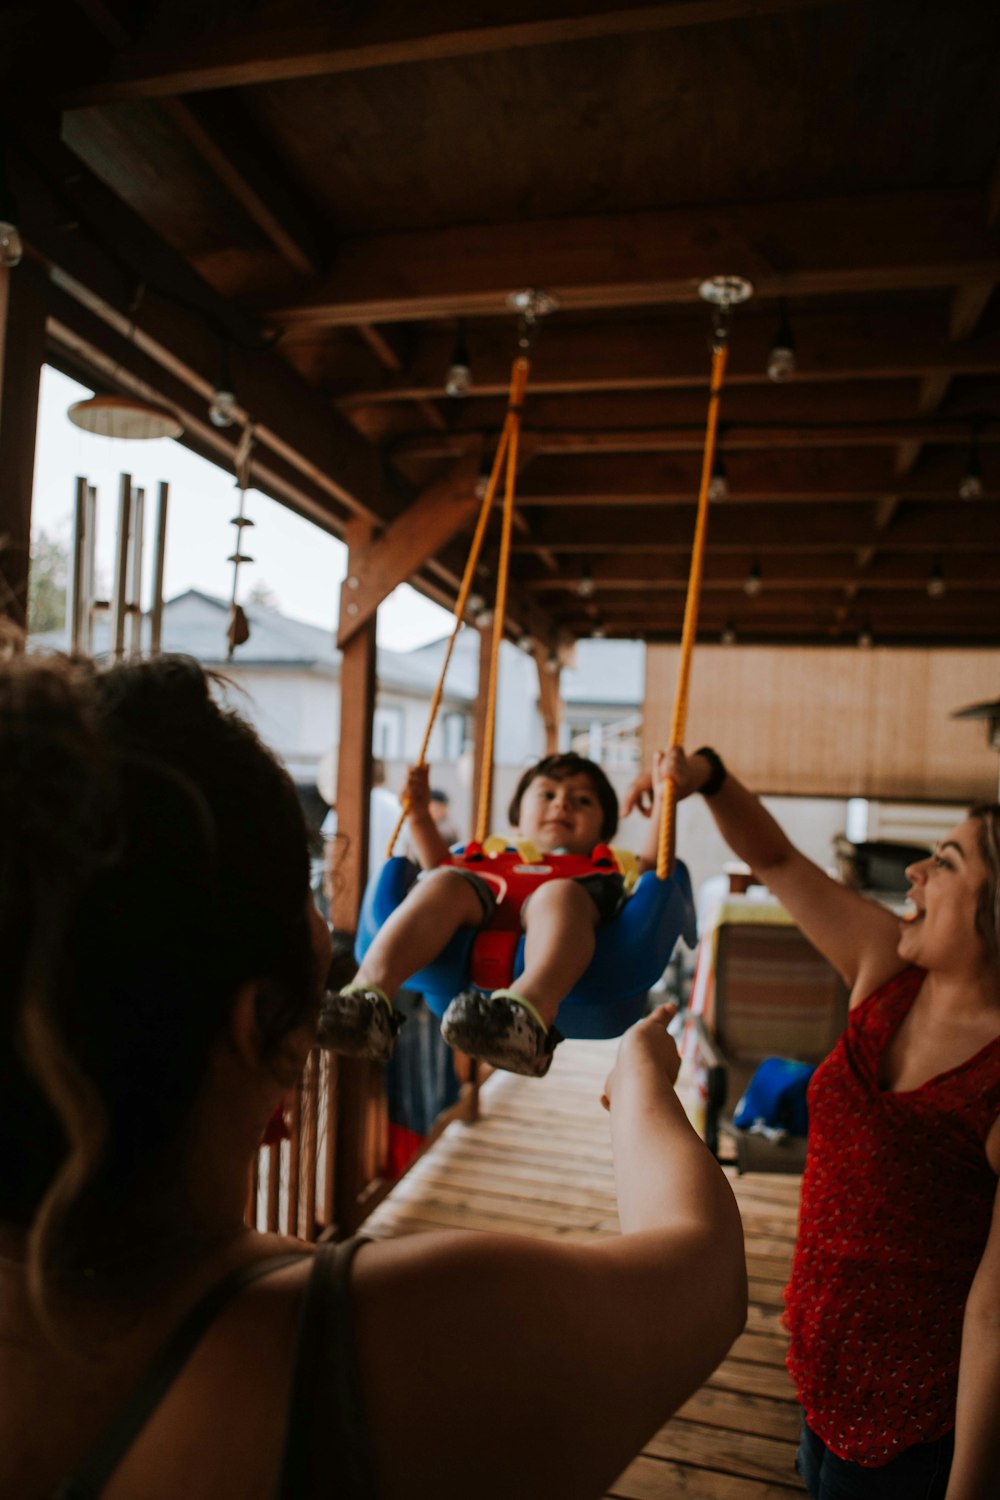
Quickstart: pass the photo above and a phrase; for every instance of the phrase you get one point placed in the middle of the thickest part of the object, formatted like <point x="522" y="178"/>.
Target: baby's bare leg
<point x="560" y="921"/>
<point x="433" y="911"/>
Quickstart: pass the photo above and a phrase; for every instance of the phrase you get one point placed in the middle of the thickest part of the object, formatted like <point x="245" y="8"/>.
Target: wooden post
<point x="357" y="711"/>
<point x="549" y="699"/>
<point x="22" y="354"/>
<point x="358" y="1083"/>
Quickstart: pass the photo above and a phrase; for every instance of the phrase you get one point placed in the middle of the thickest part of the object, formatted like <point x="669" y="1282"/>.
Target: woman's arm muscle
<point x="977" y="1428"/>
<point x="858" y="936"/>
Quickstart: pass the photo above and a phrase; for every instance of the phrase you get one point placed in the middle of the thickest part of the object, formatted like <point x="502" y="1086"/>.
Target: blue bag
<point x="776" y="1097"/>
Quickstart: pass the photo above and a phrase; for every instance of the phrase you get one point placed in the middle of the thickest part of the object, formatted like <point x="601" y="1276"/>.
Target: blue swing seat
<point x="631" y="953"/>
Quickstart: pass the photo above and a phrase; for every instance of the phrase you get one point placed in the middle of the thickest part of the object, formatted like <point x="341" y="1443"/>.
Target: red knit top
<point x="897" y="1200"/>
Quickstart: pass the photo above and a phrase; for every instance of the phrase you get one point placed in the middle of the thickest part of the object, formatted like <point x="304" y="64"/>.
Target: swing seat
<point x="630" y="955"/>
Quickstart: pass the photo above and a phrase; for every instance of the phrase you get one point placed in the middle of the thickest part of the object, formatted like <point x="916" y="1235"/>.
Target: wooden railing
<point x="323" y="1180"/>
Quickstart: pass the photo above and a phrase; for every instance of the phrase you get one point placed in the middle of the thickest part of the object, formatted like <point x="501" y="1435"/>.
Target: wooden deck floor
<point x="538" y="1162"/>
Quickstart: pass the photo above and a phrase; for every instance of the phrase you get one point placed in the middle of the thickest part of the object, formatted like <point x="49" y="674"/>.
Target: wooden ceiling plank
<point x="434" y="518"/>
<point x="245" y="56"/>
<point x="228" y="146"/>
<point x="894" y="241"/>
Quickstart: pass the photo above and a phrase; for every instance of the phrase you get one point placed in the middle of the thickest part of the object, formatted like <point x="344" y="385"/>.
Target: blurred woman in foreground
<point x="162" y="970"/>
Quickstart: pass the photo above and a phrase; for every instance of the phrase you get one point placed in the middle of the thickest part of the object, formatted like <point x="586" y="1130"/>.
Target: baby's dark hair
<point x="153" y="859"/>
<point x="560" y="768"/>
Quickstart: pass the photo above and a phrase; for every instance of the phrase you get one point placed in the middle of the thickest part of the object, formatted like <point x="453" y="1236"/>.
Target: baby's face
<point x="561" y="814"/>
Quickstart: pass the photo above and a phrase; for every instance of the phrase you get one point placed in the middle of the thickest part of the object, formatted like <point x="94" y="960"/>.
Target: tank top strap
<point x="327" y="1449"/>
<point x="89" y="1479"/>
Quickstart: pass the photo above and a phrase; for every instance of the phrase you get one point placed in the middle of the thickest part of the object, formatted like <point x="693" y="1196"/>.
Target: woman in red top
<point x="894" y="1301"/>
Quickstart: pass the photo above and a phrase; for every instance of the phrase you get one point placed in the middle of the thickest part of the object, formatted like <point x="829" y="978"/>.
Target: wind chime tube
<point x="665" y="849"/>
<point x="89" y="572"/>
<point x="159" y="559"/>
<point x="518" y="384"/>
<point x="78" y="603"/>
<point x="118" y="597"/>
<point x="133" y="607"/>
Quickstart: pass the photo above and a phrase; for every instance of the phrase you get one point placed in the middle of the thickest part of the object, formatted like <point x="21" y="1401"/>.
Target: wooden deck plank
<point x="656" y="1479"/>
<point x="538" y="1164"/>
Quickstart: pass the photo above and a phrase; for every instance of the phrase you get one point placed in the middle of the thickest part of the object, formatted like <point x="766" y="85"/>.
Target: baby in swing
<point x="563" y="805"/>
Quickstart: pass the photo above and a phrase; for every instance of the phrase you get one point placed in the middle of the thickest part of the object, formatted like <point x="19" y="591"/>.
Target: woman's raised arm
<point x="556" y="1361"/>
<point x="858" y="936"/>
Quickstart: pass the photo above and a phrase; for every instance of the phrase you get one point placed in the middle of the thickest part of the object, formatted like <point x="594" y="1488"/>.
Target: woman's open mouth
<point x="911" y="912"/>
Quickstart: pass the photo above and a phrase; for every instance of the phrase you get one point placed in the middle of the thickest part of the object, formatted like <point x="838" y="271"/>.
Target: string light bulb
<point x="458" y="378"/>
<point x="585" y="584"/>
<point x="222" y="408"/>
<point x="718" y="487"/>
<point x="11" y="244"/>
<point x="865" y="638"/>
<point x="781" y="360"/>
<point x="728" y="636"/>
<point x="753" y="582"/>
<point x="936" y="586"/>
<point x="971" y="485"/>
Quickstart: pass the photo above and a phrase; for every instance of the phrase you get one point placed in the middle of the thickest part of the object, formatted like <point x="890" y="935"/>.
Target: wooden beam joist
<point x="247" y="55"/>
<point x="657" y="479"/>
<point x="781" y="571"/>
<point x="745" y="438"/>
<point x="638" y="355"/>
<point x="936" y="528"/>
<point x="226" y="141"/>
<point x="889" y="242"/>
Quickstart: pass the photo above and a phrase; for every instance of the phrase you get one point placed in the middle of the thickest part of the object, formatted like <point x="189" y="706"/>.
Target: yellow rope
<point x="665" y="850"/>
<point x="518" y="382"/>
<point x="464" y="590"/>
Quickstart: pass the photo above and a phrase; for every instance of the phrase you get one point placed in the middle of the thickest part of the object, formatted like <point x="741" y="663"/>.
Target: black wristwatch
<point x="717" y="773"/>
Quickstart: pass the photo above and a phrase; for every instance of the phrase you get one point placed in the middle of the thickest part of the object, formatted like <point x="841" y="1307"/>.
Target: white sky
<point x="301" y="565"/>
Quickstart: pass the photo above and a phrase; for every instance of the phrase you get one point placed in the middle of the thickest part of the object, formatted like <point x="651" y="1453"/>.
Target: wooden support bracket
<point x="442" y="511"/>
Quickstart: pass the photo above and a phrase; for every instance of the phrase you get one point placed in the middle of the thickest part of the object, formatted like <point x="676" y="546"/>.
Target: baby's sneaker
<point x="359" y="1021"/>
<point x="500" y="1029"/>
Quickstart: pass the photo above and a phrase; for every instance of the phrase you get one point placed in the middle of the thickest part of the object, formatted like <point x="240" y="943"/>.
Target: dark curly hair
<point x="987" y="815"/>
<point x="153" y="858"/>
<point x="560" y="768"/>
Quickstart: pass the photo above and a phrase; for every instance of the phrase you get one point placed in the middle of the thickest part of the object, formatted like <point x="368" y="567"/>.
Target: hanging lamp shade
<point x="123" y="417"/>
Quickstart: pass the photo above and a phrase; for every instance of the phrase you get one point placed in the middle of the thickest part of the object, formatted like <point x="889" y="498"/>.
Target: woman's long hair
<point x="153" y="858"/>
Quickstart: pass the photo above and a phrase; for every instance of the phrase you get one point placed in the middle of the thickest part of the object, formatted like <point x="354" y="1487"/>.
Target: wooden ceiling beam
<point x="807" y="631"/>
<point x="722" y="603"/>
<point x="639" y="355"/>
<point x="778" y="571"/>
<point x="236" y="57"/>
<point x="658" y="479"/>
<point x="625" y="528"/>
<point x="107" y="254"/>
<point x="227" y="142"/>
<point x="890" y="242"/>
<point x="736" y="437"/>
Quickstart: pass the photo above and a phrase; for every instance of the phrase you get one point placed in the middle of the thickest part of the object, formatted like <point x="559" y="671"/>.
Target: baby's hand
<point x="417" y="791"/>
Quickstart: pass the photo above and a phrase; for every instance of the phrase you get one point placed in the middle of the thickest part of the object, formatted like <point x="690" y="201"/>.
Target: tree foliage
<point x="47" y="583"/>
